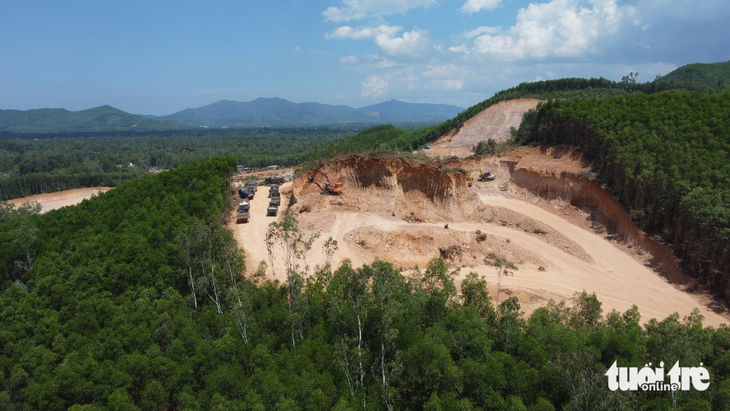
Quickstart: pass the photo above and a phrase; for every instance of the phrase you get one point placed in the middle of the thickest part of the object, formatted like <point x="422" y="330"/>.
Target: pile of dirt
<point x="407" y="246"/>
<point x="508" y="218"/>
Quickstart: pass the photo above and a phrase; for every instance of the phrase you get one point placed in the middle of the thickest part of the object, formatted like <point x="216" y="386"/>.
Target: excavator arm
<point x="328" y="188"/>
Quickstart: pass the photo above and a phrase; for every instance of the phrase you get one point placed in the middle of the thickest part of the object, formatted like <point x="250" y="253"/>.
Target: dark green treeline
<point x="666" y="157"/>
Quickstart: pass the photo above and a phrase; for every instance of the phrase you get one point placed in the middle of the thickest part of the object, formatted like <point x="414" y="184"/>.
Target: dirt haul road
<point x="251" y="236"/>
<point x="618" y="280"/>
<point x="52" y="201"/>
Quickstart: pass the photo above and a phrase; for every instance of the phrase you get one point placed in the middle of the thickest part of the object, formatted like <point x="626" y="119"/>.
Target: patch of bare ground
<point x="53" y="201"/>
<point x="260" y="175"/>
<point x="494" y="122"/>
<point x="564" y="232"/>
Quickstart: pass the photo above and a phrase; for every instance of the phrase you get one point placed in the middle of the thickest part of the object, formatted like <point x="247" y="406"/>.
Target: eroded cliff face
<point x="409" y="176"/>
<point x="392" y="184"/>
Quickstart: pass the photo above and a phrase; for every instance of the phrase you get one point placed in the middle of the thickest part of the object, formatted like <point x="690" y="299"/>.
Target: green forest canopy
<point x="665" y="156"/>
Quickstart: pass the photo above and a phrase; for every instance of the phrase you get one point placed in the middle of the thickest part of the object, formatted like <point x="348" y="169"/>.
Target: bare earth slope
<point x="539" y="213"/>
<point x="494" y="122"/>
<point x="52" y="201"/>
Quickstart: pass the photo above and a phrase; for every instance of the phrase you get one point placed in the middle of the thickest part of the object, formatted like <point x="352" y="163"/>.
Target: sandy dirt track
<point x="616" y="277"/>
<point x="251" y="235"/>
<point x="52" y="201"/>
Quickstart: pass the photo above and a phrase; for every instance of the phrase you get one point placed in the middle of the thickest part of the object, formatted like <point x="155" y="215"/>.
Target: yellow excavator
<point x="483" y="176"/>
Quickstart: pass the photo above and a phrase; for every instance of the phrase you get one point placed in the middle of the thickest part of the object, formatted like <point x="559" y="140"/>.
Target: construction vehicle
<point x="483" y="176"/>
<point x="252" y="186"/>
<point x="244" y="193"/>
<point x="276" y="197"/>
<point x="328" y="188"/>
<point x="273" y="189"/>
<point x="243" y="215"/>
<point x="487" y="176"/>
<point x="273" y="208"/>
<point x="273" y="180"/>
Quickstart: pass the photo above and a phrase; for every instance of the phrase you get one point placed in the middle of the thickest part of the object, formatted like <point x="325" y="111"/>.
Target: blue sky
<point x="160" y="57"/>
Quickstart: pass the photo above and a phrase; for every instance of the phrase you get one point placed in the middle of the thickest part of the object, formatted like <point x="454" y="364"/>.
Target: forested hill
<point x="104" y="118"/>
<point x="707" y="78"/>
<point x="666" y="157"/>
<point x="715" y="75"/>
<point x="136" y="300"/>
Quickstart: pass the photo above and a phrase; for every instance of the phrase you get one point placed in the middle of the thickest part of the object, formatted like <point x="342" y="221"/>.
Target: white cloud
<point x="473" y="6"/>
<point x="362" y="9"/>
<point x="460" y="49"/>
<point x="298" y="49"/>
<point x="482" y="30"/>
<point x="560" y="27"/>
<point x="347" y="32"/>
<point x="370" y="61"/>
<point x="353" y="59"/>
<point x="375" y="86"/>
<point x="411" y="43"/>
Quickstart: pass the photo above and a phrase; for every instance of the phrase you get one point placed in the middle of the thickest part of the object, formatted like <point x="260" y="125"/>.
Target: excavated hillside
<point x="563" y="232"/>
<point x="494" y="122"/>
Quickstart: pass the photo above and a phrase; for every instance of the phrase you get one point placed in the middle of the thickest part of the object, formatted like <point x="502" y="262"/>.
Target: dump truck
<point x="273" y="189"/>
<point x="243" y="214"/>
<point x="244" y="193"/>
<point x="273" y="180"/>
<point x="276" y="197"/>
<point x="252" y="186"/>
<point x="273" y="208"/>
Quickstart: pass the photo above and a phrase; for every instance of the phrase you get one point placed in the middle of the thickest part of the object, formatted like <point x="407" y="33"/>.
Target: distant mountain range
<point x="280" y="112"/>
<point x="260" y="112"/>
<point x="55" y="120"/>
